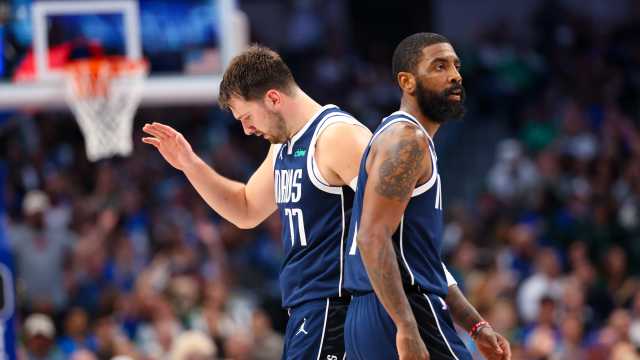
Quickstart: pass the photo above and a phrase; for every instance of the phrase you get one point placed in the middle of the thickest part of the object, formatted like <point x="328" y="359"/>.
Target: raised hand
<point x="171" y="144"/>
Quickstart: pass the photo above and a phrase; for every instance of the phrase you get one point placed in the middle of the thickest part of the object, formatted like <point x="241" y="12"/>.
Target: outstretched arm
<point x="397" y="161"/>
<point x="491" y="344"/>
<point x="245" y="205"/>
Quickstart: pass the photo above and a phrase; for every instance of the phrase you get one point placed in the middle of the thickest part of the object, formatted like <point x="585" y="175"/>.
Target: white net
<point x="103" y="96"/>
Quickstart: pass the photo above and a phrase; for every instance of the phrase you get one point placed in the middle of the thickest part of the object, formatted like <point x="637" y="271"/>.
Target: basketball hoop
<point x="103" y="95"/>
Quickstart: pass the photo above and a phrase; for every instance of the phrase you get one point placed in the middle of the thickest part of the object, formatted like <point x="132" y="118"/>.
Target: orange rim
<point x="92" y="77"/>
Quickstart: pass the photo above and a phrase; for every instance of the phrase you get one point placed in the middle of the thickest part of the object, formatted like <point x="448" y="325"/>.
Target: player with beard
<point x="306" y="177"/>
<point x="394" y="265"/>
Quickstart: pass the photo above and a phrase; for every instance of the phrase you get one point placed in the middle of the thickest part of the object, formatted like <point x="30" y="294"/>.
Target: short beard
<point x="281" y="131"/>
<point x="437" y="106"/>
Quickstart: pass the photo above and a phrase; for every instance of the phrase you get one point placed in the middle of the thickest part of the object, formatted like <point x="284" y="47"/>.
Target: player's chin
<point x="274" y="140"/>
<point x="456" y="110"/>
<point x="266" y="137"/>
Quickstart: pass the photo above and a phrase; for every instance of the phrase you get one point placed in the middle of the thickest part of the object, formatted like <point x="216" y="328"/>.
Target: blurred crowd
<point x="122" y="258"/>
<point x="547" y="250"/>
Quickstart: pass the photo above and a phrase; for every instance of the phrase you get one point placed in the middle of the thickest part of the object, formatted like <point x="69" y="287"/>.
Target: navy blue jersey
<point x="418" y="239"/>
<point x="315" y="216"/>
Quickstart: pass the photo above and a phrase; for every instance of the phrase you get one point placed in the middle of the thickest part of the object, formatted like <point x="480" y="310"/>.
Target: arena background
<point x="541" y="179"/>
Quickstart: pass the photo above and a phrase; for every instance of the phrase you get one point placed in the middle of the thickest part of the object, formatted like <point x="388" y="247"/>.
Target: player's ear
<point x="407" y="82"/>
<point x="272" y="98"/>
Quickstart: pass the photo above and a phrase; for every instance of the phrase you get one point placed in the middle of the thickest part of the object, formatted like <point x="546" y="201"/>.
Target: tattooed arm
<point x="397" y="161"/>
<point x="491" y="344"/>
<point x="463" y="313"/>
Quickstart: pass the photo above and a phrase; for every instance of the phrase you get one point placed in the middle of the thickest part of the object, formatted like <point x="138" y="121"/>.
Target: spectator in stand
<point x="193" y="345"/>
<point x="77" y="334"/>
<point x="40" y="333"/>
<point x="547" y="201"/>
<point x="41" y="255"/>
<point x="545" y="282"/>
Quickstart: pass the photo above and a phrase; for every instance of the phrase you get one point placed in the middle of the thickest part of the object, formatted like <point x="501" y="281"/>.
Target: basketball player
<point x="306" y="174"/>
<point x="394" y="267"/>
<point x="315" y="153"/>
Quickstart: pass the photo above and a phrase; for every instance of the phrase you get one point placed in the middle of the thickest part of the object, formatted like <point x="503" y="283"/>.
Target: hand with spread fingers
<point x="492" y="345"/>
<point x="171" y="144"/>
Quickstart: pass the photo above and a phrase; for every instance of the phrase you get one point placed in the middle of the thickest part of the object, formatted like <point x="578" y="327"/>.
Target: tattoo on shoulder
<point x="400" y="169"/>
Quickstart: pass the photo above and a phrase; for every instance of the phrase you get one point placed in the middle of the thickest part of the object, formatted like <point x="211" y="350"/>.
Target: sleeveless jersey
<point x="418" y="239"/>
<point x="314" y="215"/>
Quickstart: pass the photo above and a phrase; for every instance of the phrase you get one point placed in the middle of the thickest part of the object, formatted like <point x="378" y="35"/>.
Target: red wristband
<point x="475" y="328"/>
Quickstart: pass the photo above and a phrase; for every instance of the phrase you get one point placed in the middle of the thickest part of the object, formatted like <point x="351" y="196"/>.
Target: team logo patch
<point x="302" y="330"/>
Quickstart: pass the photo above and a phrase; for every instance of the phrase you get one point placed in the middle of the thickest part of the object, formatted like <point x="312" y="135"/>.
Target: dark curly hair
<point x="408" y="53"/>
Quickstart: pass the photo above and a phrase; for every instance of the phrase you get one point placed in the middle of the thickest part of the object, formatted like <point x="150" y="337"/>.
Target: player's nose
<point x="455" y="76"/>
<point x="248" y="129"/>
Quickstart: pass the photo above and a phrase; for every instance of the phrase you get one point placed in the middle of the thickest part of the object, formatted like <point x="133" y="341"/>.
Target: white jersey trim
<point x="399" y="112"/>
<point x="435" y="317"/>
<point x="353" y="184"/>
<point x="304" y="129"/>
<point x="324" y="328"/>
<point x="406" y="263"/>
<point x="450" y="279"/>
<point x="354" y="244"/>
<point x="383" y="128"/>
<point x="313" y="170"/>
<point x="420" y="189"/>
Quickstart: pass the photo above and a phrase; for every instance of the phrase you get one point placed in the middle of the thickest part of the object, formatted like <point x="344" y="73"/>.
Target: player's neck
<point x="412" y="108"/>
<point x="300" y="112"/>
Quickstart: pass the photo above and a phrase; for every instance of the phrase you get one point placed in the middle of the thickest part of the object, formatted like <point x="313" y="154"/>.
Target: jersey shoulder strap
<point x="337" y="116"/>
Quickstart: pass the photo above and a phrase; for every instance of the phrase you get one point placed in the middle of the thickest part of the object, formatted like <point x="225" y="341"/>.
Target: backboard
<point x="187" y="44"/>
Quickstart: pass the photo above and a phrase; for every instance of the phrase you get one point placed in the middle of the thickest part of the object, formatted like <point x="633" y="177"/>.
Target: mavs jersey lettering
<point x="314" y="215"/>
<point x="418" y="239"/>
